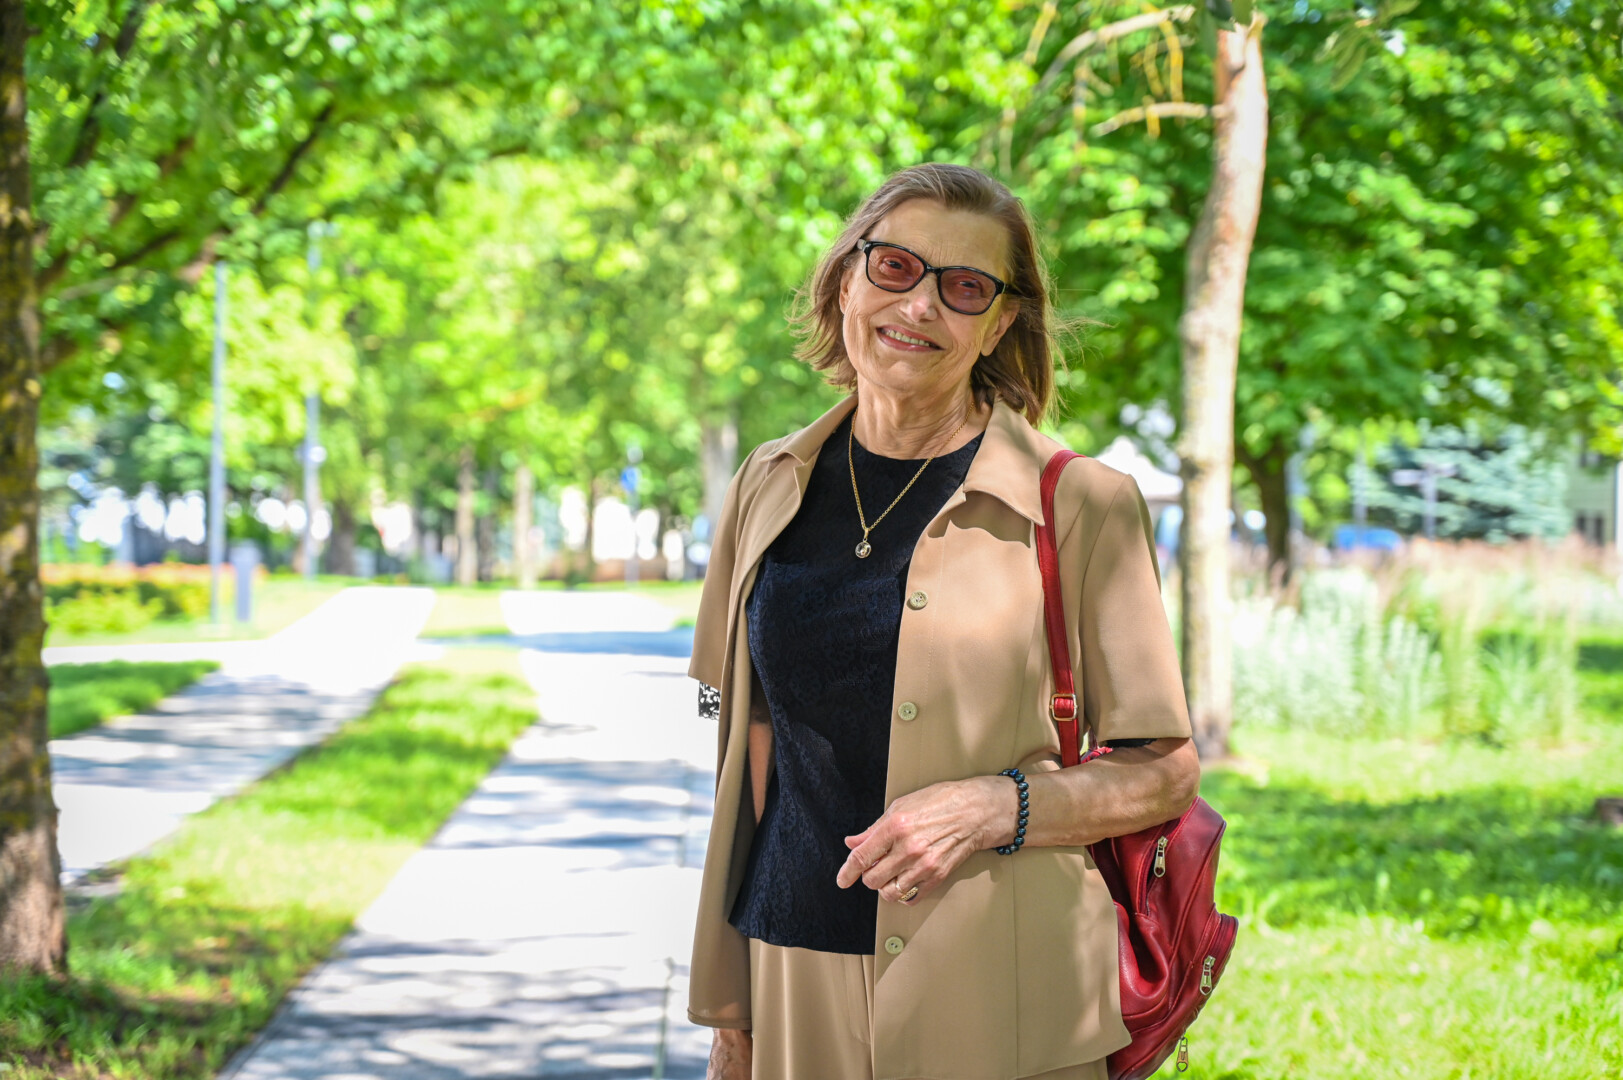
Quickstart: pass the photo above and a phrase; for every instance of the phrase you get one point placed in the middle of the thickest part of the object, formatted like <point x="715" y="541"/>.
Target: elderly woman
<point x="875" y="903"/>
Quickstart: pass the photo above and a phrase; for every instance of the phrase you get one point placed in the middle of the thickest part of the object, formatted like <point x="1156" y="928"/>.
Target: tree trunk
<point x="1214" y="299"/>
<point x="341" y="544"/>
<point x="485" y="529"/>
<point x="523" y="525"/>
<point x="467" y="558"/>
<point x="32" y="931"/>
<point x="590" y="557"/>
<point x="1270" y="471"/>
<point x="718" y="457"/>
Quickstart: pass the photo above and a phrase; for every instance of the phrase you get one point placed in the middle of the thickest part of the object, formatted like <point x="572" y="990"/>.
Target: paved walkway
<point x="130" y="782"/>
<point x="545" y="931"/>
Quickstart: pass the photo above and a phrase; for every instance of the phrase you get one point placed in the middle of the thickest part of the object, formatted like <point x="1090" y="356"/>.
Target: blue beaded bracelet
<point x="1025" y="811"/>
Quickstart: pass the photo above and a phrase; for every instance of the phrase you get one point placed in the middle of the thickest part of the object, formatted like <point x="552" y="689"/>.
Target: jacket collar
<point x="1008" y="466"/>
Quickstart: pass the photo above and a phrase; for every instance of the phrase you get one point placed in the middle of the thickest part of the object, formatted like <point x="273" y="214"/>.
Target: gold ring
<point x="904" y="897"/>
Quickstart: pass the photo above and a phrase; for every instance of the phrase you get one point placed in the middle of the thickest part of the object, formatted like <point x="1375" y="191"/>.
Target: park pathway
<point x="130" y="782"/>
<point x="545" y="931"/>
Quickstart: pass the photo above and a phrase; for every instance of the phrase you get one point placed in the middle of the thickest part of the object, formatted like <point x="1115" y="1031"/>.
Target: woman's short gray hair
<point x="1020" y="369"/>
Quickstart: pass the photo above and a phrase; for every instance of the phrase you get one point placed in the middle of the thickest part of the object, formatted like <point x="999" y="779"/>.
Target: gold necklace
<point x="864" y="549"/>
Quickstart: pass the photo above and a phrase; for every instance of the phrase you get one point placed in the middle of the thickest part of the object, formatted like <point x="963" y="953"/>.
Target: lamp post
<point x="313" y="453"/>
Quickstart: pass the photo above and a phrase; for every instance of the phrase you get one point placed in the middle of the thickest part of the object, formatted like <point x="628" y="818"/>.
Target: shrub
<point x="85" y="599"/>
<point x="112" y="612"/>
<point x="1456" y="641"/>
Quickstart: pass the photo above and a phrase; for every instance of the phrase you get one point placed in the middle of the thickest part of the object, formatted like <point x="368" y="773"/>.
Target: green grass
<point x="188" y="960"/>
<point x="278" y="602"/>
<point x="84" y="695"/>
<point x="475" y="611"/>
<point x="463" y="611"/>
<point x="1414" y="909"/>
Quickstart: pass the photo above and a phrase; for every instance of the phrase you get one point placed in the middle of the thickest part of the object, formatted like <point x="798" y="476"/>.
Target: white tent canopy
<point x="1157" y="485"/>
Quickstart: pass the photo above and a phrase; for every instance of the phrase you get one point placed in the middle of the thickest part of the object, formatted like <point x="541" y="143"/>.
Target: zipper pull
<point x="1206" y="976"/>
<point x="1161" y="857"/>
<point x="1183" y="1054"/>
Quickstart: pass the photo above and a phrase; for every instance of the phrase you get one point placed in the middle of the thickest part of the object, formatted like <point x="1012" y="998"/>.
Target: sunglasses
<point x="965" y="289"/>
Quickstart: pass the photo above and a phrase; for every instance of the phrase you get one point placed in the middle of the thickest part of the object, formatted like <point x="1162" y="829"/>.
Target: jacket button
<point x="918" y="600"/>
<point x="893" y="945"/>
<point x="907" y="710"/>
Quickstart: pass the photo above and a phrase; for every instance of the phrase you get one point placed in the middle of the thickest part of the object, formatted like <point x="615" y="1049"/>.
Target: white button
<point x="907" y="710"/>
<point x="893" y="945"/>
<point x="918" y="600"/>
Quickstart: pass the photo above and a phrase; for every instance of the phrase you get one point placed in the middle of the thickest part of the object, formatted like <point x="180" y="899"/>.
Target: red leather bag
<point x="1174" y="941"/>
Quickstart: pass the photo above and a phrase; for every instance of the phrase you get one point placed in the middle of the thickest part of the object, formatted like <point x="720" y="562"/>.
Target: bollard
<point x="244" y="561"/>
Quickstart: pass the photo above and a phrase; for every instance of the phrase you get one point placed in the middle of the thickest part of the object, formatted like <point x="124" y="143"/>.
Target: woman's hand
<point x="928" y="834"/>
<point x="730" y="1055"/>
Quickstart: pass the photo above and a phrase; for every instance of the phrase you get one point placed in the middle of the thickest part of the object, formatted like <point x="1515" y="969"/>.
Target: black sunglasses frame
<point x="867" y="246"/>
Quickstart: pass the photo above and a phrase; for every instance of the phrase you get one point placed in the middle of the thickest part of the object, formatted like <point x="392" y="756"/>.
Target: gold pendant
<point x="863" y="549"/>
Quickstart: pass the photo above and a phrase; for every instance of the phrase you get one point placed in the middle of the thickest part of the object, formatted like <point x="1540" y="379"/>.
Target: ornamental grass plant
<point x="1447" y="640"/>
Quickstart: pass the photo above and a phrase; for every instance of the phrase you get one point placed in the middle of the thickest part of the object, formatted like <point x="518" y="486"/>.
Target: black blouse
<point x="823" y="631"/>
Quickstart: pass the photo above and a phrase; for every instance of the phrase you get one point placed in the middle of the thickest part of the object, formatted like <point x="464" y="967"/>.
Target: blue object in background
<point x="1366" y="538"/>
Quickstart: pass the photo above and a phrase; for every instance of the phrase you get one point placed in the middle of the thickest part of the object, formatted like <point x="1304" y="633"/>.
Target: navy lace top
<point x="823" y="631"/>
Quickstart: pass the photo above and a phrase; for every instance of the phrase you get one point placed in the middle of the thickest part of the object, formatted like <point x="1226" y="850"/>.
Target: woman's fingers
<point x="864" y="855"/>
<point x="917" y="841"/>
<point x="913" y="862"/>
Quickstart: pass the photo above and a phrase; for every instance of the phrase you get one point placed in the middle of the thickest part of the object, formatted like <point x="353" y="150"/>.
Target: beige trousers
<point x="812" y="1017"/>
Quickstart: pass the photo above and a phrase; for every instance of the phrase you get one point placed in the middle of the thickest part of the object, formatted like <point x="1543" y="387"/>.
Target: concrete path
<point x="545" y="932"/>
<point x="130" y="782"/>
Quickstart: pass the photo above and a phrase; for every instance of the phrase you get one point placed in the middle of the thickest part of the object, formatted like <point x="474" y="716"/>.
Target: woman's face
<point x="911" y="343"/>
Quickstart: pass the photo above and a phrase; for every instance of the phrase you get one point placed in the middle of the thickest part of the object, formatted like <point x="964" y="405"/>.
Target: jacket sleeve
<point x="710" y="627"/>
<point x="1131" y="685"/>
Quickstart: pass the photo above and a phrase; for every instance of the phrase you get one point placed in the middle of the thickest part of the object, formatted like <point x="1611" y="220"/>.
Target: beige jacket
<point x="1009" y="968"/>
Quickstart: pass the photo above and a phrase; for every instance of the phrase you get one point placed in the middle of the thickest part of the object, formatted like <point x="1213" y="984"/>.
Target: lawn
<point x="1423" y="909"/>
<point x="476" y="611"/>
<point x="278" y="602"/>
<point x="198" y="941"/>
<point x="466" y="611"/>
<point x="84" y="695"/>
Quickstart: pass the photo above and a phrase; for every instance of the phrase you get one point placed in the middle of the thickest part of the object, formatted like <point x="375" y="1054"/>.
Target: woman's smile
<point x="897" y="338"/>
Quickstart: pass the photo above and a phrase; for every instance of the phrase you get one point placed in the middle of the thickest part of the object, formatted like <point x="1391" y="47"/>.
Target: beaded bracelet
<point x="1025" y="811"/>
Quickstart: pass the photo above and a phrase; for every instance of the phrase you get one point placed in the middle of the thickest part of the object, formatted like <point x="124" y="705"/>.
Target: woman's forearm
<point x="1121" y="793"/>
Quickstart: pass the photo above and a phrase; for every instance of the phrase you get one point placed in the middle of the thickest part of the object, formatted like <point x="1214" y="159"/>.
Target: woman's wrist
<point x="1023" y="814"/>
<point x="1002" y="812"/>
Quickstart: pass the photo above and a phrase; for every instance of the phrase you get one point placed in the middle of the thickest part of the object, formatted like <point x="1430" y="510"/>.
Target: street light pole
<point x="217" y="449"/>
<point x="313" y="454"/>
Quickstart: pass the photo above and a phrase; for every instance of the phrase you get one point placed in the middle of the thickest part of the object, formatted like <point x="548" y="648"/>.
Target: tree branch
<point x="1156" y="111"/>
<point x="169" y="236"/>
<point x="121" y="208"/>
<point x="1092" y="39"/>
<point x="291" y="165"/>
<point x="89" y="134"/>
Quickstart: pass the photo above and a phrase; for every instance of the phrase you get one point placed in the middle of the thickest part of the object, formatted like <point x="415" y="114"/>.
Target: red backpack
<point x="1174" y="941"/>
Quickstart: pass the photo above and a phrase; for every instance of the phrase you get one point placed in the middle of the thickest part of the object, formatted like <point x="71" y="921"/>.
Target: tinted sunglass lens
<point x="893" y="269"/>
<point x="967" y="291"/>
